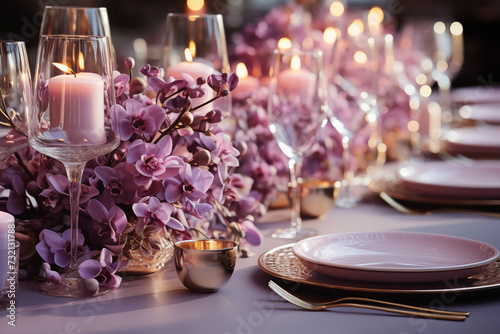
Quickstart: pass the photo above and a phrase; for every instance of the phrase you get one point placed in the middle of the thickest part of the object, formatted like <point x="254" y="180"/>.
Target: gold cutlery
<point x="369" y="304"/>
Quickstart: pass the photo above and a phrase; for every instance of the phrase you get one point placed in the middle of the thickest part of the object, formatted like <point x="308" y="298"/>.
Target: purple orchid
<point x="155" y="212"/>
<point x="151" y="71"/>
<point x="55" y="248"/>
<point x="193" y="87"/>
<point x="103" y="271"/>
<point x="135" y="118"/>
<point x="153" y="161"/>
<point x="50" y="275"/>
<point x="109" y="220"/>
<point x="192" y="182"/>
<point x="223" y="83"/>
<point x="118" y="182"/>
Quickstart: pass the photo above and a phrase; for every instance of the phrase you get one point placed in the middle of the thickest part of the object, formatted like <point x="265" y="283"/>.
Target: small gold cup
<point x="205" y="265"/>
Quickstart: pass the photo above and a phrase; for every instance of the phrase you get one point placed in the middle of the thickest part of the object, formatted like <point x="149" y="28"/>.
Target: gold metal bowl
<point x="205" y="265"/>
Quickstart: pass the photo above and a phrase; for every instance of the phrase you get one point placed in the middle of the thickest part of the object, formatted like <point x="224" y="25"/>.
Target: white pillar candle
<point x="195" y="69"/>
<point x="247" y="84"/>
<point x="76" y="104"/>
<point x="297" y="81"/>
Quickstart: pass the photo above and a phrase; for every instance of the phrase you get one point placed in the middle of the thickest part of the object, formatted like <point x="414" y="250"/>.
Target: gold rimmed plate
<point x="280" y="262"/>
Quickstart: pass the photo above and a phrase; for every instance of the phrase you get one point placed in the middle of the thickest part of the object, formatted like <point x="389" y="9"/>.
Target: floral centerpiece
<point x="170" y="175"/>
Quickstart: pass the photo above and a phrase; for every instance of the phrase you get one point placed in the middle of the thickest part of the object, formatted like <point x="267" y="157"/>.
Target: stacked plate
<point x="474" y="141"/>
<point x="486" y="112"/>
<point x="467" y="179"/>
<point x="394" y="257"/>
<point x="475" y="95"/>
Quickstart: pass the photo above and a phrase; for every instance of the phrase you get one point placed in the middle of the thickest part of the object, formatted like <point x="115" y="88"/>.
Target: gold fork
<point x="358" y="302"/>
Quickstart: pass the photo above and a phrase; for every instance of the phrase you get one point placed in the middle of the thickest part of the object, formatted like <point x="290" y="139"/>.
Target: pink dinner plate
<point x="467" y="179"/>
<point x="394" y="257"/>
<point x="476" y="94"/>
<point x="486" y="112"/>
<point x="473" y="140"/>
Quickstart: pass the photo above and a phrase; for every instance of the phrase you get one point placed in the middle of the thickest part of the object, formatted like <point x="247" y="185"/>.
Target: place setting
<point x="324" y="146"/>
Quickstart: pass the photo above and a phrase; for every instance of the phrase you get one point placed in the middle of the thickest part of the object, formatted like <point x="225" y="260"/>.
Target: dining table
<point x="159" y="303"/>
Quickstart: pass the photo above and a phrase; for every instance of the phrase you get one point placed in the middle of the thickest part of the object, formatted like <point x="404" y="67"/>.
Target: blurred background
<point x="137" y="26"/>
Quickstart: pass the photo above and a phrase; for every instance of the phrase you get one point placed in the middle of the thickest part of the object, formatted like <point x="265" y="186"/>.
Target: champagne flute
<point x="196" y="45"/>
<point x="296" y="110"/>
<point x="69" y="121"/>
<point x="15" y="91"/>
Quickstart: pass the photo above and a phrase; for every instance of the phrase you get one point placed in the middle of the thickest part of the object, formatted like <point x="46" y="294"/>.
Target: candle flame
<point x="241" y="71"/>
<point x="376" y="15"/>
<point x="192" y="48"/>
<point x="81" y="61"/>
<point x="284" y="43"/>
<point x="64" y="68"/>
<point x="187" y="53"/>
<point x="195" y="5"/>
<point x="330" y="35"/>
<point x="295" y="63"/>
<point x="337" y="8"/>
<point x="356" y="28"/>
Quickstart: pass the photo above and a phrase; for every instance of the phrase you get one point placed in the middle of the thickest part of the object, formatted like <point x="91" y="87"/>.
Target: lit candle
<point x="195" y="69"/>
<point x="296" y="80"/>
<point x="246" y="85"/>
<point x="6" y="223"/>
<point x="76" y="104"/>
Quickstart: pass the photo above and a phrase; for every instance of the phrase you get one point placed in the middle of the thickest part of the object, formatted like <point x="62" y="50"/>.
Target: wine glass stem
<point x="295" y="166"/>
<point x="346" y="196"/>
<point x="74" y="172"/>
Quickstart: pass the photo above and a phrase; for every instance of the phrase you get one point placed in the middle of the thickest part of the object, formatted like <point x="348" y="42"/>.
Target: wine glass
<point x="296" y="111"/>
<point x="15" y="91"/>
<point x="353" y="104"/>
<point x="68" y="121"/>
<point x="196" y="45"/>
<point x="62" y="20"/>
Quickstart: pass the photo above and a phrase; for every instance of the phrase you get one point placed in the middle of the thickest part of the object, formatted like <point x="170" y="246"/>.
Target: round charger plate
<point x="394" y="256"/>
<point x="479" y="140"/>
<point x="281" y="263"/>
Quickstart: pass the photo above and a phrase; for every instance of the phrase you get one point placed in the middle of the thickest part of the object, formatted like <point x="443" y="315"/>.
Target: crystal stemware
<point x="196" y="45"/>
<point x="69" y="122"/>
<point x="65" y="20"/>
<point x="15" y="91"/>
<point x="353" y="104"/>
<point x="296" y="110"/>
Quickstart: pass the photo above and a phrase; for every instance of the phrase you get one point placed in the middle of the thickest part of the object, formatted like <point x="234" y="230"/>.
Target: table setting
<point x="316" y="171"/>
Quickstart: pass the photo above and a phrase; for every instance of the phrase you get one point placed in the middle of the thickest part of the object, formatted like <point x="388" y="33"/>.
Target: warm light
<point x="427" y="65"/>
<point x="329" y="35"/>
<point x="425" y="91"/>
<point x="421" y="79"/>
<point x="439" y="27"/>
<point x="360" y="57"/>
<point x="187" y="54"/>
<point x="337" y="8"/>
<point x="413" y="126"/>
<point x="295" y="63"/>
<point x="241" y="71"/>
<point x="456" y="28"/>
<point x="442" y="66"/>
<point x="376" y="14"/>
<point x="64" y="68"/>
<point x="356" y="28"/>
<point x="284" y="43"/>
<point x="192" y="49"/>
<point x="195" y="5"/>
<point x="81" y="61"/>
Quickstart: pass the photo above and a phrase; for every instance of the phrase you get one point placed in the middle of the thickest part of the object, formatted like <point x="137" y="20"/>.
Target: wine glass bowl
<point x="69" y="122"/>
<point x="296" y="110"/>
<point x="15" y="90"/>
